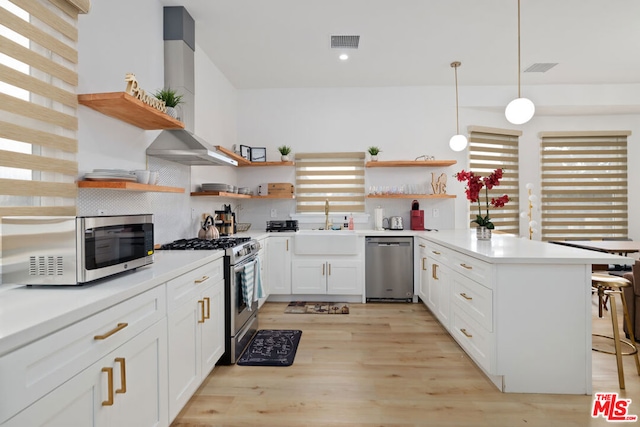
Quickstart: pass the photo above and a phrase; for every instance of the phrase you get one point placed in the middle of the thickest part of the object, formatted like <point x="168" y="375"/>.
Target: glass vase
<point x="483" y="233"/>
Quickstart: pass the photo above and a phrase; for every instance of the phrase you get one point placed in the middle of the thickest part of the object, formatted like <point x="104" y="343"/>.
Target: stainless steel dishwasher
<point x="389" y="268"/>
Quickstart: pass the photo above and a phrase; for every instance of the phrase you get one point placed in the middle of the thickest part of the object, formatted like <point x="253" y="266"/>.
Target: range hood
<point x="182" y="146"/>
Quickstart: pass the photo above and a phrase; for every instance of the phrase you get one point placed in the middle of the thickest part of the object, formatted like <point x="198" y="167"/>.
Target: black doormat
<point x="271" y="347"/>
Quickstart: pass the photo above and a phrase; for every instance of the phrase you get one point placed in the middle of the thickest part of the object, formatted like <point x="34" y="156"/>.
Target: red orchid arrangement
<point x="474" y="185"/>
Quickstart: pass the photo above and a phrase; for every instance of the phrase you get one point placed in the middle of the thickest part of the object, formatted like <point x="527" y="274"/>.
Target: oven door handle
<point x="239" y="267"/>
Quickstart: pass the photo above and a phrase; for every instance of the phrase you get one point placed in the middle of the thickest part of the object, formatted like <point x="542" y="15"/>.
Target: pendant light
<point x="457" y="142"/>
<point x="520" y="110"/>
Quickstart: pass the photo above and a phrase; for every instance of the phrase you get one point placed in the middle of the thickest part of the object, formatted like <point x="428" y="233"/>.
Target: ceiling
<point x="286" y="43"/>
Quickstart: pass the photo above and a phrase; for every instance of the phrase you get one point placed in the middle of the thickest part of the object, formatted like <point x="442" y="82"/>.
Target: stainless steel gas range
<point x="241" y="317"/>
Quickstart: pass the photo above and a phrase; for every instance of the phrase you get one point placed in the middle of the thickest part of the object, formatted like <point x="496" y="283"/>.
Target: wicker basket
<point x="241" y="227"/>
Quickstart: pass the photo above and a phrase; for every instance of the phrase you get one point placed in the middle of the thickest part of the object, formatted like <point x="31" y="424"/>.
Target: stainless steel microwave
<point x="73" y="250"/>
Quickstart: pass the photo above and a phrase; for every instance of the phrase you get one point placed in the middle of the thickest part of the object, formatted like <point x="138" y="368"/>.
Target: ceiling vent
<point x="540" y="67"/>
<point x="345" y="42"/>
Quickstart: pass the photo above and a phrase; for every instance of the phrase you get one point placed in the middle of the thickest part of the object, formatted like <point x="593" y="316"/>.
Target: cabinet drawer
<point x="184" y="287"/>
<point x="473" y="338"/>
<point x="473" y="268"/>
<point x="474" y="299"/>
<point x="37" y="368"/>
<point x="434" y="251"/>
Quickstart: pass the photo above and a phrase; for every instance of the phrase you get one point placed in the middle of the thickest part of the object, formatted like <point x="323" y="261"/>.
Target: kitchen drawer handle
<point x="123" y="375"/>
<point x="201" y="304"/>
<point x="466" y="334"/>
<point x="109" y="401"/>
<point x="465" y="296"/>
<point x="436" y="252"/>
<point x="422" y="246"/>
<point x="201" y="280"/>
<point x="423" y="267"/>
<point x="434" y="271"/>
<point x="104" y="336"/>
<point x="468" y="267"/>
<point x="208" y="301"/>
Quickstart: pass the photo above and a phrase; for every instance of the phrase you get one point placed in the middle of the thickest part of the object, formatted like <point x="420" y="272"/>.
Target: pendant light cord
<point x="519" y="96"/>
<point x="455" y="66"/>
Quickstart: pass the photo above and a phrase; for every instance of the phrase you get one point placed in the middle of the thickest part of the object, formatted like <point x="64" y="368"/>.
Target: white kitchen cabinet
<point x="278" y="261"/>
<point x="127" y="387"/>
<point x="196" y="330"/>
<point x="435" y="279"/>
<point x="331" y="276"/>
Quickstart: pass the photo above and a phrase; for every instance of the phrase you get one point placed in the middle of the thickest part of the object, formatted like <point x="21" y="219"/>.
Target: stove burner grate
<point x="202" y="244"/>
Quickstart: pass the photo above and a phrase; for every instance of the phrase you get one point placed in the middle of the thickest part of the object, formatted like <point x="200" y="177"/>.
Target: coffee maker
<point x="226" y="221"/>
<point x="417" y="216"/>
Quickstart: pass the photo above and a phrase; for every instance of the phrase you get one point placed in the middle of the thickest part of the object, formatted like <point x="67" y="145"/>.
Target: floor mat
<point x="271" y="347"/>
<point x="308" y="307"/>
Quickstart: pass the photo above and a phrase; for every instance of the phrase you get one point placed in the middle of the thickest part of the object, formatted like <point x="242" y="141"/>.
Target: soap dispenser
<point x="351" y="226"/>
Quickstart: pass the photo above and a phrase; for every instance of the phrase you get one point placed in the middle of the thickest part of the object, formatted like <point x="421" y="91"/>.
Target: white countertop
<point x="505" y="248"/>
<point x="31" y="312"/>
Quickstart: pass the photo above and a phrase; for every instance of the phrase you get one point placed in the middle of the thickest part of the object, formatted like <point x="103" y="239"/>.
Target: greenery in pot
<point x="169" y="96"/>
<point x="284" y="150"/>
<point x="374" y="150"/>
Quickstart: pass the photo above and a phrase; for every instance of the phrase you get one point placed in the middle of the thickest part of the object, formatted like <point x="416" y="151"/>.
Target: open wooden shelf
<point x="122" y="106"/>
<point x="290" y="163"/>
<point x="128" y="186"/>
<point x="411" y="196"/>
<point x="275" y="196"/>
<point x="241" y="160"/>
<point x="410" y="163"/>
<point x="221" y="194"/>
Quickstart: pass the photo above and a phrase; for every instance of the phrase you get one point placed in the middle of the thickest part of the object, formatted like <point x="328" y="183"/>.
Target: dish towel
<point x="259" y="291"/>
<point x="248" y="282"/>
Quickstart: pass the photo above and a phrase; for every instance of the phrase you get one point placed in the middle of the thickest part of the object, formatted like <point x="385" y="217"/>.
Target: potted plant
<point x="373" y="150"/>
<point x="475" y="183"/>
<point x="171" y="100"/>
<point x="284" y="152"/>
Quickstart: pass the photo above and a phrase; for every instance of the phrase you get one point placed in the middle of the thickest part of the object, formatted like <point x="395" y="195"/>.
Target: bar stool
<point x="611" y="286"/>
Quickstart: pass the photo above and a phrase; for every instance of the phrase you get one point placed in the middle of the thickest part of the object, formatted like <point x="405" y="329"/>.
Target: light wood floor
<point x="385" y="365"/>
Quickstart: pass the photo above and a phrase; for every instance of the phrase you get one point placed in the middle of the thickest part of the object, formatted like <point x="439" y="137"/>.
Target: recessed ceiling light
<point x="344" y="57"/>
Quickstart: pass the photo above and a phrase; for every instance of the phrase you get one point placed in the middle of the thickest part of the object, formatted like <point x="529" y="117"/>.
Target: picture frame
<point x="245" y="151"/>
<point x="258" y="154"/>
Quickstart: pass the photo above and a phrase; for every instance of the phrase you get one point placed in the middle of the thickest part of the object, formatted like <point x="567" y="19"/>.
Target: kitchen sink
<point x="326" y="242"/>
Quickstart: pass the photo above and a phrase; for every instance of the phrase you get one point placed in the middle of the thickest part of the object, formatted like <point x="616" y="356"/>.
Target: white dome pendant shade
<point x="520" y="110"/>
<point x="457" y="142"/>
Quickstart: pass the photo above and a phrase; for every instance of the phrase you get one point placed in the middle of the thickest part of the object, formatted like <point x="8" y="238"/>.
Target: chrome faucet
<point x="326" y="214"/>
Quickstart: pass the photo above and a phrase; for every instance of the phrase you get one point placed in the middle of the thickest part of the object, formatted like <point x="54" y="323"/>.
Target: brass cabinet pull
<point x="434" y="271"/>
<point x="329" y="269"/>
<point x="468" y="267"/>
<point x="323" y="265"/>
<point x="109" y="401"/>
<point x="201" y="304"/>
<point x="106" y="335"/>
<point x="202" y="279"/>
<point x="287" y="245"/>
<point x="466" y="334"/>
<point x="422" y="246"/>
<point x="436" y="252"/>
<point x="465" y="296"/>
<point x="123" y="375"/>
<point x="208" y="301"/>
<point x="423" y="260"/>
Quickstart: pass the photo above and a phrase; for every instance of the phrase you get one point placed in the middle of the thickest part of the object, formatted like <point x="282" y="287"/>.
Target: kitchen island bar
<point x="521" y="309"/>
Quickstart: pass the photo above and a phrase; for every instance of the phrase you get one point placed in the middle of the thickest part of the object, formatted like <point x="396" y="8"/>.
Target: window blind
<point x="490" y="149"/>
<point x="38" y="123"/>
<point x="337" y="177"/>
<point x="584" y="185"/>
